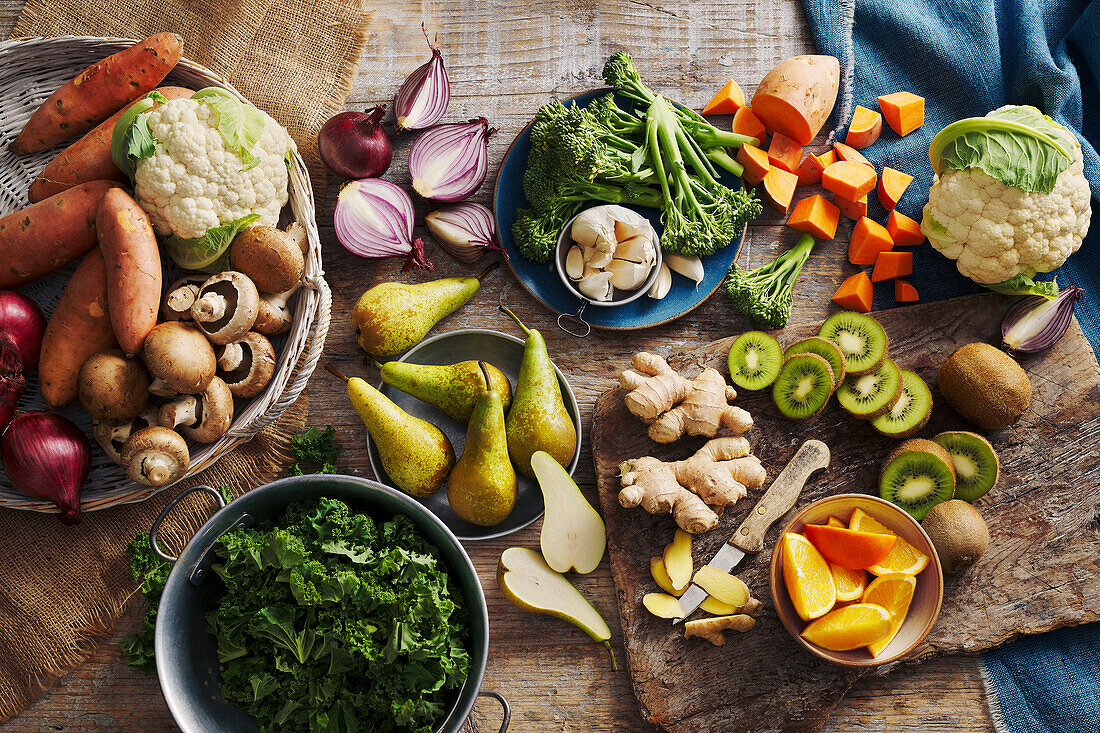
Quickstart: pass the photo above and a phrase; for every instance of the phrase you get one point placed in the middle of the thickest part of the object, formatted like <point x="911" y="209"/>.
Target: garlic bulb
<point x="615" y="250"/>
<point x="596" y="286"/>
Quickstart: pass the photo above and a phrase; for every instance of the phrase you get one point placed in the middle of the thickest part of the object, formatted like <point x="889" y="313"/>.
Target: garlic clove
<point x="596" y="286"/>
<point x="660" y="287"/>
<point x="632" y="227"/>
<point x="592" y="225"/>
<point x="689" y="267"/>
<point x="574" y="263"/>
<point x="599" y="259"/>
<point x="636" y="249"/>
<point x="628" y="275"/>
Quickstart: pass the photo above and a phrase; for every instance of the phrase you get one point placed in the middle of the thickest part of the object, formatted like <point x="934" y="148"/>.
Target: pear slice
<point x="573" y="534"/>
<point x="530" y="584"/>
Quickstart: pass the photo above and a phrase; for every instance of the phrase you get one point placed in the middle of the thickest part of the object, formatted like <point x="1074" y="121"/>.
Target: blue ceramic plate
<point x="543" y="282"/>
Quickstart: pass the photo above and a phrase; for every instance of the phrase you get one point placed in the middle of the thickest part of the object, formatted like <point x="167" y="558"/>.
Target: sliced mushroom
<point x="271" y="257"/>
<point x="155" y="456"/>
<point x="112" y="387"/>
<point x="274" y="317"/>
<point x="201" y="417"/>
<point x="111" y="437"/>
<point x="179" y="357"/>
<point x="227" y="306"/>
<point x="248" y="365"/>
<point x="177" y="301"/>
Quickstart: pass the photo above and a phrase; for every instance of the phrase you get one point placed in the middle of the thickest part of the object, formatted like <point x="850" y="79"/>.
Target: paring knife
<point x="776" y="501"/>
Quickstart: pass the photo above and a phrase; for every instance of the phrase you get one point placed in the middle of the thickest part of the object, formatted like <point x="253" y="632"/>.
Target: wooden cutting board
<point x="1039" y="572"/>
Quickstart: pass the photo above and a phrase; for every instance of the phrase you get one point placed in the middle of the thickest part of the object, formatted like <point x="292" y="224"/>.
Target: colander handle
<point x="503" y="703"/>
<point x="172" y="505"/>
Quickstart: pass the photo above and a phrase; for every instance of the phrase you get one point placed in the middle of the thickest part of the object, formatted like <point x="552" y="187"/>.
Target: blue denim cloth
<point x="967" y="57"/>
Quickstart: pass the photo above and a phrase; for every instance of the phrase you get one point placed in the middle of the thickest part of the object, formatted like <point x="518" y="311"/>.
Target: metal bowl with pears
<point x="504" y="354"/>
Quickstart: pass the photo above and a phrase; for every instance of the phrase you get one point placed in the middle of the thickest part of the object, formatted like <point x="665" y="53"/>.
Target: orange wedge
<point x="903" y="558"/>
<point x="850" y="548"/>
<point x="893" y="592"/>
<point x="807" y="577"/>
<point x="849" y="583"/>
<point x="850" y="627"/>
<point x="834" y="522"/>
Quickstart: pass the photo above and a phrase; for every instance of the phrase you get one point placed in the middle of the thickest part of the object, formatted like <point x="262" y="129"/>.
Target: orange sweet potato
<point x="854" y="210"/>
<point x="809" y="170"/>
<point x="865" y="128"/>
<point x="746" y="123"/>
<point x="847" y="152"/>
<point x="891" y="185"/>
<point x="727" y="101"/>
<point x="848" y="179"/>
<point x="89" y="158"/>
<point x="904" y="231"/>
<point x="784" y="153"/>
<point x="79" y="327"/>
<point x="133" y="259"/>
<point x="815" y="216"/>
<point x="50" y="234"/>
<point x="904" y="292"/>
<point x="778" y="188"/>
<point x="904" y="111"/>
<point x="827" y="158"/>
<point x="797" y="96"/>
<point x="755" y="162"/>
<point x="856" y="293"/>
<point x="890" y="265"/>
<point x="869" y="239"/>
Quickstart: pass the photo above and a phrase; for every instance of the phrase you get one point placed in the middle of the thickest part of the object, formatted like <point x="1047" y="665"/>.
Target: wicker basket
<point x="30" y="70"/>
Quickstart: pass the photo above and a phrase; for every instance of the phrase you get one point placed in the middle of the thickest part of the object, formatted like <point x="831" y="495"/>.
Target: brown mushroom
<point x="112" y="436"/>
<point x="201" y="417"/>
<point x="155" y="456"/>
<point x="226" y="307"/>
<point x="271" y="257"/>
<point x="180" y="296"/>
<point x="274" y="317"/>
<point x="179" y="357"/>
<point x="112" y="387"/>
<point x="248" y="365"/>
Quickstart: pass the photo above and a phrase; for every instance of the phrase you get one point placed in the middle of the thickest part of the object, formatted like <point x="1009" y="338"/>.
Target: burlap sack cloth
<point x="63" y="589"/>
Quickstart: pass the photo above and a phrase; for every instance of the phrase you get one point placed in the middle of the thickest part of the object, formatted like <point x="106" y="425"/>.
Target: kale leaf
<point x="314" y="446"/>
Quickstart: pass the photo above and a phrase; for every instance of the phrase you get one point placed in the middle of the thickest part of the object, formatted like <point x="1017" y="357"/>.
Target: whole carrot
<point x="133" y="268"/>
<point x="99" y="91"/>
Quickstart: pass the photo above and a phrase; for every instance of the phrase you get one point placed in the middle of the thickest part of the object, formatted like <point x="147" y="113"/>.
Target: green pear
<point x="391" y="318"/>
<point x="482" y="486"/>
<point x="415" y="453"/>
<point x="530" y="584"/>
<point x="453" y="389"/>
<point x="538" y="419"/>
<point x="573" y="534"/>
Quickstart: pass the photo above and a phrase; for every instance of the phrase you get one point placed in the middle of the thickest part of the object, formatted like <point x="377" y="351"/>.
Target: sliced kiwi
<point x="803" y="386"/>
<point x="824" y="348"/>
<point x="755" y="359"/>
<point x="861" y="339"/>
<point x="976" y="463"/>
<point x="910" y="412"/>
<point x="917" y="476"/>
<point x="872" y="394"/>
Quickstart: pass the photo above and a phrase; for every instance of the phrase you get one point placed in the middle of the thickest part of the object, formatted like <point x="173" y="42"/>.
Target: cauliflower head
<point x="195" y="180"/>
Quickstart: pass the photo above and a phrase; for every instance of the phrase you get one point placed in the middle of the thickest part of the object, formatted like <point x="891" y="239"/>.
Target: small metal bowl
<point x="924" y="609"/>
<point x="565" y="242"/>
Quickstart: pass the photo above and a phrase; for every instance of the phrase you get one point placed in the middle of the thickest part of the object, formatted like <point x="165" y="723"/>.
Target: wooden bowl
<point x="924" y="608"/>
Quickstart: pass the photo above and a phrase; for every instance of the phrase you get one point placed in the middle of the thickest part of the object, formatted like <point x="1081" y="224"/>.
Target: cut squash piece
<point x="727" y="101"/>
<point x="809" y="170"/>
<point x="891" y="185"/>
<point x="778" y="188"/>
<point x="856" y="293"/>
<point x="904" y="292"/>
<point x="815" y="216"/>
<point x="904" y="111"/>
<point x="849" y="179"/>
<point x="854" y="210"/>
<point x="869" y="239"/>
<point x="746" y="123"/>
<point x="827" y="158"/>
<point x="904" y="231"/>
<point x="755" y="162"/>
<point x="784" y="153"/>
<point x="865" y="128"/>
<point x="891" y="265"/>
<point x="847" y="152"/>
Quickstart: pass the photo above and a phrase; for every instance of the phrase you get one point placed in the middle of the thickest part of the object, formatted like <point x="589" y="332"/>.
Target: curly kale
<point x="315" y="446"/>
<point x="151" y="574"/>
<point x="764" y="294"/>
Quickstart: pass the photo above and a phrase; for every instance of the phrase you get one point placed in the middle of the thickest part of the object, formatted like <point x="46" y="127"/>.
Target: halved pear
<point x="573" y="534"/>
<point x="530" y="584"/>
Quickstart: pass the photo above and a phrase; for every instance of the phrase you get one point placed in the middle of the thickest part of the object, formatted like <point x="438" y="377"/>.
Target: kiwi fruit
<point x="872" y="394"/>
<point x="754" y="360"/>
<point x="824" y="348"/>
<point x="860" y="338"/>
<point x="917" y="476"/>
<point x="910" y="412"/>
<point x="803" y="386"/>
<point x="976" y="463"/>
<point x="985" y="385"/>
<point x="958" y="532"/>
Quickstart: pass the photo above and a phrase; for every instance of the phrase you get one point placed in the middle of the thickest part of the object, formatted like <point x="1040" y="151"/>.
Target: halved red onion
<point x="423" y="97"/>
<point x="466" y="231"/>
<point x="449" y="162"/>
<point x="1035" y="323"/>
<point x="374" y="218"/>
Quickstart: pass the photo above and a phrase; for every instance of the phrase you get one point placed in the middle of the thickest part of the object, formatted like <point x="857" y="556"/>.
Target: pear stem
<point x="485" y="375"/>
<point x="614" y="663"/>
<point x="515" y="318"/>
<point x="492" y="266"/>
<point x="332" y="370"/>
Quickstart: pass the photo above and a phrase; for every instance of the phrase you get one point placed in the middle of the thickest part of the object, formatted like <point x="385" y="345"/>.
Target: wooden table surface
<point x="505" y="58"/>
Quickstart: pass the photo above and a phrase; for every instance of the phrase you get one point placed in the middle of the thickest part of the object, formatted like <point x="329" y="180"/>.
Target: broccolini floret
<point x="764" y="294"/>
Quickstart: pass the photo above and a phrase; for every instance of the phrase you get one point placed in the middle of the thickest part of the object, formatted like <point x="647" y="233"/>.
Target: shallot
<point x="448" y="162"/>
<point x="1035" y="323"/>
<point x="465" y="231"/>
<point x="423" y="98"/>
<point x="355" y="145"/>
<point x="48" y="457"/>
<point x="374" y="218"/>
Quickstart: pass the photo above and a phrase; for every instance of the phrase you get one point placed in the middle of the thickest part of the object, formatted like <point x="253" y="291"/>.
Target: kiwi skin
<point x="958" y="532"/>
<point x="918" y="445"/>
<point x="985" y="385"/>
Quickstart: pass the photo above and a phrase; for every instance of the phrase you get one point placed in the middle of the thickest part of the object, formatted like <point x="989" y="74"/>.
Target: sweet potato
<point x="815" y="216"/>
<point x="89" y="158"/>
<point x="746" y="123"/>
<point x="79" y="327"/>
<point x="856" y="293"/>
<point x="99" y="91"/>
<point x="784" y="153"/>
<point x="904" y="111"/>
<point x="847" y="152"/>
<point x="865" y="128"/>
<point x="869" y="240"/>
<point x="891" y="185"/>
<point x="854" y="210"/>
<point x="849" y="179"/>
<point x="809" y="170"/>
<point x="892" y="265"/>
<point x="904" y="231"/>
<point x="727" y="101"/>
<point x="797" y="96"/>
<point x="904" y="292"/>
<point x="50" y="234"/>
<point x="755" y="162"/>
<point x="133" y="262"/>
<point x="778" y="188"/>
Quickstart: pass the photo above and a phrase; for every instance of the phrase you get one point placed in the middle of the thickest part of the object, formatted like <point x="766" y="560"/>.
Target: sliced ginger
<point x="711" y="628"/>
<point x="660" y="577"/>
<point x="677" y="560"/>
<point x="728" y="589"/>
<point x="663" y="605"/>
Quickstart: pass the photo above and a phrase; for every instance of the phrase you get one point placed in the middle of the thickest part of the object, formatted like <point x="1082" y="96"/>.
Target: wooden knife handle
<point x="780" y="496"/>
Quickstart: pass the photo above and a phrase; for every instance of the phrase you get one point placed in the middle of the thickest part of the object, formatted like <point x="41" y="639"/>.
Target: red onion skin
<point x="355" y="145"/>
<point x="1066" y="301"/>
<point x="12" y="381"/>
<point x="23" y="321"/>
<point x="48" y="457"/>
<point x="472" y="214"/>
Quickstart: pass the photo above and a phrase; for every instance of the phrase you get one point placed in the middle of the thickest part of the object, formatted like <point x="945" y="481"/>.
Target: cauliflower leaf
<point x="239" y="123"/>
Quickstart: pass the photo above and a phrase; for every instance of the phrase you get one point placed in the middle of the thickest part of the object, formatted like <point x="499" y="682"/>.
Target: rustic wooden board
<point x="1039" y="573"/>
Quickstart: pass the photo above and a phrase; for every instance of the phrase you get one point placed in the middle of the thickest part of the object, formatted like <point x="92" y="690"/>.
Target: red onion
<point x="1035" y="323"/>
<point x="22" y="320"/>
<point x="449" y="162"/>
<point x="47" y="457"/>
<point x="423" y="97"/>
<point x="465" y="231"/>
<point x="374" y="218"/>
<point x="355" y="145"/>
<point x="12" y="381"/>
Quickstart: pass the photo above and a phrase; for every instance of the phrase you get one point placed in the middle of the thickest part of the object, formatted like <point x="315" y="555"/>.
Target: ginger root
<point x="693" y="490"/>
<point x="673" y="406"/>
<point x="711" y="628"/>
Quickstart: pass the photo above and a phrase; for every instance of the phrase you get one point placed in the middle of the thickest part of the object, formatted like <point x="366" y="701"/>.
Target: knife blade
<point x="776" y="501"/>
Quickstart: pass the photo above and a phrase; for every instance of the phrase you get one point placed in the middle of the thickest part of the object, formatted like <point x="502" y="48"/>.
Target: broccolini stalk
<point x="764" y="294"/>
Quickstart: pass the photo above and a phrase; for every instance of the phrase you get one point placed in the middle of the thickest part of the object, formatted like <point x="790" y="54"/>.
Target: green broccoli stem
<point x="710" y="136"/>
<point x="781" y="273"/>
<point x="668" y="147"/>
<point x="721" y="158"/>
